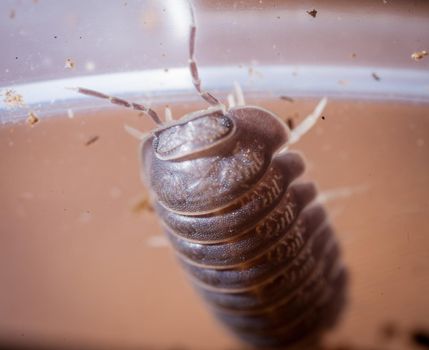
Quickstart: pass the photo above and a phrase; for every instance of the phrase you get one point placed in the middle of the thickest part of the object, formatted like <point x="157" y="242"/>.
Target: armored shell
<point x="255" y="243"/>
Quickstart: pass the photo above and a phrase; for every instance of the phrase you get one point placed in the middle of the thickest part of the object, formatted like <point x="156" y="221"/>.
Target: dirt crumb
<point x="69" y="64"/>
<point x="376" y="76"/>
<point x="92" y="140"/>
<point x="290" y="123"/>
<point x="312" y="13"/>
<point x="12" y="14"/>
<point x="290" y="120"/>
<point x="418" y="55"/>
<point x="32" y="118"/>
<point x="287" y="98"/>
<point x="142" y="204"/>
<point x="13" y="99"/>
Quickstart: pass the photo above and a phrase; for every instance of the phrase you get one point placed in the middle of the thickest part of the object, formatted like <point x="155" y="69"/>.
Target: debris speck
<point x="142" y="204"/>
<point x="290" y="120"/>
<point x="354" y="55"/>
<point x="166" y="70"/>
<point x="290" y="123"/>
<point x="32" y="118"/>
<point x="418" y="55"/>
<point x="287" y="98"/>
<point x="376" y="76"/>
<point x="12" y="14"/>
<point x="69" y="64"/>
<point x="13" y="99"/>
<point x="55" y="37"/>
<point x="92" y="140"/>
<point x="89" y="66"/>
<point x="312" y="13"/>
<point x="323" y="117"/>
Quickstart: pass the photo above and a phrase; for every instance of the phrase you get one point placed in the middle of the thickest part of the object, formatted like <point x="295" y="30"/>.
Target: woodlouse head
<point x="194" y="134"/>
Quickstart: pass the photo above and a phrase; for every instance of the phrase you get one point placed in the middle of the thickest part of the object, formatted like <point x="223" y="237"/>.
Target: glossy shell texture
<point x="256" y="244"/>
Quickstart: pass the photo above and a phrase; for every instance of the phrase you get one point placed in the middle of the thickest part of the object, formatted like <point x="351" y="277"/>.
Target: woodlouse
<point x="255" y="242"/>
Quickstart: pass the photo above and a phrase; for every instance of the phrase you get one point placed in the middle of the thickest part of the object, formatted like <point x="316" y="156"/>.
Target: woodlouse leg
<point x="121" y="102"/>
<point x="193" y="64"/>
<point x="158" y="241"/>
<point x="239" y="94"/>
<point x="135" y="132"/>
<point x="168" y="115"/>
<point x="308" y="122"/>
<point x="231" y="101"/>
<point x="340" y="192"/>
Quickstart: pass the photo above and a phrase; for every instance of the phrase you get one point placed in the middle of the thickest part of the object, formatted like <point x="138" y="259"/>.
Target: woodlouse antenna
<point x="121" y="102"/>
<point x="193" y="64"/>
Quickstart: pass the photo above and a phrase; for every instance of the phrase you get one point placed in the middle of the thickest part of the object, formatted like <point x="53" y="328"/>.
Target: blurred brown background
<point x="82" y="267"/>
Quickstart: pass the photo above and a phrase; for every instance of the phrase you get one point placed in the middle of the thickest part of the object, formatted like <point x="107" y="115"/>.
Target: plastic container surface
<point x="82" y="264"/>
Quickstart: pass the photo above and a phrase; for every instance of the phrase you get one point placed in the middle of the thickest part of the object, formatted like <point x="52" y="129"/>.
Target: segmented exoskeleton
<point x="256" y="243"/>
